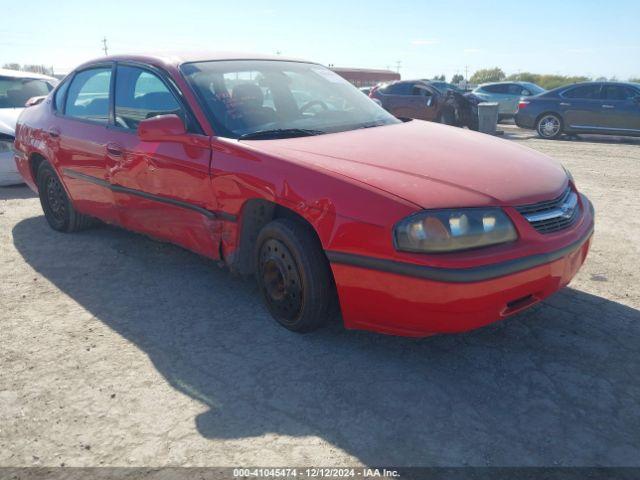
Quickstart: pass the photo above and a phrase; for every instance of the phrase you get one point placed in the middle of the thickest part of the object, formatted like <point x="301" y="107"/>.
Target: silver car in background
<point x="507" y="95"/>
<point x="16" y="88"/>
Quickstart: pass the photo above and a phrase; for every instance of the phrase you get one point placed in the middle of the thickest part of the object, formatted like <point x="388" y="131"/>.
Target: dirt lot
<point x="117" y="350"/>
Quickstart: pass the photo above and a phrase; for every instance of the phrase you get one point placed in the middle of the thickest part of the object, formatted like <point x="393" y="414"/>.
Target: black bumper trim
<point x="456" y="275"/>
<point x="149" y="196"/>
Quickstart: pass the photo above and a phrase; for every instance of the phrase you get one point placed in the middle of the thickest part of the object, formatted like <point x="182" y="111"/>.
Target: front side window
<point x="421" y="90"/>
<point x="618" y="92"/>
<point x="588" y="92"/>
<point x="242" y="97"/>
<point x="14" y="92"/>
<point x="141" y="94"/>
<point x="88" y="95"/>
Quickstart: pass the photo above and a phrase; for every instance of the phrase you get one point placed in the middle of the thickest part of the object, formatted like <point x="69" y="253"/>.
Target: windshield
<point x="250" y="98"/>
<point x="14" y="92"/>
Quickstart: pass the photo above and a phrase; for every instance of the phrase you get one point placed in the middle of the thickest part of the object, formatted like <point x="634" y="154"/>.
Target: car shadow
<point x="557" y="385"/>
<point x="16" y="192"/>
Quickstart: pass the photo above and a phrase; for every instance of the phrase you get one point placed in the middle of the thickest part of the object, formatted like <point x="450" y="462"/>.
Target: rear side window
<point x="88" y="95"/>
<point x="590" y="92"/>
<point x="500" y="88"/>
<point x="141" y="94"/>
<point x="399" y="89"/>
<point x="515" y="89"/>
<point x="618" y="92"/>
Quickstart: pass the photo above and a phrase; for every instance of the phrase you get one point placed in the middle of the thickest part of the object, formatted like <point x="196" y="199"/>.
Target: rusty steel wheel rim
<point x="56" y="199"/>
<point x="280" y="281"/>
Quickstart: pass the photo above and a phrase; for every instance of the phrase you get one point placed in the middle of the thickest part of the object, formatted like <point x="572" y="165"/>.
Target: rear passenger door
<point x="581" y="107"/>
<point x="79" y="137"/>
<point x="621" y="110"/>
<point x="161" y="188"/>
<point x="515" y="93"/>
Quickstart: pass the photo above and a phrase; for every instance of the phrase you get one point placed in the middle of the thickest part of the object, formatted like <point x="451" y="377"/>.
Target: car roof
<point x="176" y="59"/>
<point x="518" y="82"/>
<point x="19" y="74"/>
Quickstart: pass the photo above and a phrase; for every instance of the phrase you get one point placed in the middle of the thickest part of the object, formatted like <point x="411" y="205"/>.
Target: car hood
<point x="8" y="119"/>
<point x="430" y="165"/>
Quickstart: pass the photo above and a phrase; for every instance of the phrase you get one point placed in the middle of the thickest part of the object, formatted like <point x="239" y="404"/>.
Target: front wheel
<point x="549" y="126"/>
<point x="293" y="275"/>
<point x="56" y="205"/>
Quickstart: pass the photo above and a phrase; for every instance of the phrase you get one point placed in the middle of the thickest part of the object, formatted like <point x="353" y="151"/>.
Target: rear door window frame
<point x="599" y="98"/>
<point x="69" y="80"/>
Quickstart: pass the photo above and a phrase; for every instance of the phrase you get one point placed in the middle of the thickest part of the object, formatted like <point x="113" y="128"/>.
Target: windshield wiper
<point x="280" y="133"/>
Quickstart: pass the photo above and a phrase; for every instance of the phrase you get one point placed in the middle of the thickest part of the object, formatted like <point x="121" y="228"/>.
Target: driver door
<point x="425" y="103"/>
<point x="160" y="188"/>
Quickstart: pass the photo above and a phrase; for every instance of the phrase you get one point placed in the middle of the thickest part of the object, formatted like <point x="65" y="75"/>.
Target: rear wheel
<point x="549" y="126"/>
<point x="57" y="208"/>
<point x="293" y="275"/>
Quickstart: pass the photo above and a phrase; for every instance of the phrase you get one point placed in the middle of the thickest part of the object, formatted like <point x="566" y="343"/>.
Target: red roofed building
<point x="366" y="77"/>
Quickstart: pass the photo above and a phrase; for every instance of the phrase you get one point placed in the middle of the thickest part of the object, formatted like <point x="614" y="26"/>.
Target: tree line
<point x="546" y="81"/>
<point x="29" y="68"/>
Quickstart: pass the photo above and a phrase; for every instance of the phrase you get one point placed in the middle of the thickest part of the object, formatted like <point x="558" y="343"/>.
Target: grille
<point x="552" y="215"/>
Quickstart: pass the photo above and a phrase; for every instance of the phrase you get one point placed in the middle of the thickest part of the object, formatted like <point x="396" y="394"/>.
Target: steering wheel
<point x="310" y="104"/>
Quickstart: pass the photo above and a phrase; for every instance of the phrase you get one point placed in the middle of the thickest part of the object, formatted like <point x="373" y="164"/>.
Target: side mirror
<point x="429" y="100"/>
<point x="35" y="101"/>
<point x="163" y="128"/>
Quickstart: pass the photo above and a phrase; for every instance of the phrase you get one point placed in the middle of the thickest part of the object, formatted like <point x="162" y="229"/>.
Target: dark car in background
<point x="609" y="108"/>
<point x="420" y="99"/>
<point x="445" y="86"/>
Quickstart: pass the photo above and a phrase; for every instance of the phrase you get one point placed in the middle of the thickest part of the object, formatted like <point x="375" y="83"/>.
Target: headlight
<point x="453" y="229"/>
<point x="6" y="145"/>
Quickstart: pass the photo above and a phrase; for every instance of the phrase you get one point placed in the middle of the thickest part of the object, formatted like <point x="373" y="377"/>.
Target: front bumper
<point x="422" y="301"/>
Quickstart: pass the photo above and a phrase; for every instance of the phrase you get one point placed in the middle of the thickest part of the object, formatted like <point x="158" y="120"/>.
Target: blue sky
<point x="585" y="37"/>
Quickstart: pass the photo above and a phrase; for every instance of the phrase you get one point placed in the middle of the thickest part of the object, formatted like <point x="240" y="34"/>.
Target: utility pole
<point x="104" y="43"/>
<point x="398" y="63"/>
<point x="466" y="72"/>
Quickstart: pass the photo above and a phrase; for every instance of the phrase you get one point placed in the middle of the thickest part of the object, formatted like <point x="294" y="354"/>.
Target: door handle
<point x="608" y="106"/>
<point x="114" y="150"/>
<point x="53" y="132"/>
<point x="565" y="104"/>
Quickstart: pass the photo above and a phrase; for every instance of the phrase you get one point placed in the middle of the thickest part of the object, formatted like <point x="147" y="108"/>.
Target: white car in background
<point x="15" y="89"/>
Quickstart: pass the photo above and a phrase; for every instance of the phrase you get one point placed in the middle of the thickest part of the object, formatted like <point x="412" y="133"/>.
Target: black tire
<point x="294" y="276"/>
<point x="56" y="206"/>
<point x="549" y="126"/>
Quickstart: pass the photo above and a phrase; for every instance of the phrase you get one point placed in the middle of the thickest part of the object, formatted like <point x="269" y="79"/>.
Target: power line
<point x="104" y="43"/>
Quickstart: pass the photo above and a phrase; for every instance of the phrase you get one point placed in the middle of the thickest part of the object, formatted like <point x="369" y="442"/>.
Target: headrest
<point x="248" y="94"/>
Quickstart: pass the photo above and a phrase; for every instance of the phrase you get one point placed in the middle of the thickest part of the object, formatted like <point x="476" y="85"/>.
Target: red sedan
<point x="281" y="169"/>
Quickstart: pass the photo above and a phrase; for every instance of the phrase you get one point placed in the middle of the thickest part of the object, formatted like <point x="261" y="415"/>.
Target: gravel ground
<point x="118" y="350"/>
